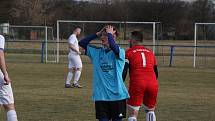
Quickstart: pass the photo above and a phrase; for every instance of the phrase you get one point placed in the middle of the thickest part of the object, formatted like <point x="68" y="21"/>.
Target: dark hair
<point x="117" y="32"/>
<point x="137" y="35"/>
<point x="76" y="27"/>
<point x="104" y="33"/>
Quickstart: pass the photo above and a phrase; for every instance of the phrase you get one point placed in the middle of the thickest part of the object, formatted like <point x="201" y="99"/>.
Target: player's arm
<point x="111" y="40"/>
<point x="125" y="70"/>
<point x="156" y="71"/>
<point x="155" y="67"/>
<point x="3" y="67"/>
<point x="84" y="42"/>
<point x="72" y="47"/>
<point x="112" y="44"/>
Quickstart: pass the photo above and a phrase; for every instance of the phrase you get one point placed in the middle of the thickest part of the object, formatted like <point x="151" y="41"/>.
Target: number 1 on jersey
<point x="144" y="59"/>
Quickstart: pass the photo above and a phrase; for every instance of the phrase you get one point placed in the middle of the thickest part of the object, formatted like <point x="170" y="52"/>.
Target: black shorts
<point x="110" y="109"/>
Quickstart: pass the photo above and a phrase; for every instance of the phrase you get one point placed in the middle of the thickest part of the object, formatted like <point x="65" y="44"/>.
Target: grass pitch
<point x="185" y="94"/>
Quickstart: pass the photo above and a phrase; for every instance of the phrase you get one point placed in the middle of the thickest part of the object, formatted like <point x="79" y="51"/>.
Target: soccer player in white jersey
<point x="75" y="63"/>
<point x="6" y="93"/>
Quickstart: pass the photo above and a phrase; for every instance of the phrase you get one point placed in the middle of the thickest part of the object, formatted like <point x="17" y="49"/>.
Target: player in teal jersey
<point x="109" y="91"/>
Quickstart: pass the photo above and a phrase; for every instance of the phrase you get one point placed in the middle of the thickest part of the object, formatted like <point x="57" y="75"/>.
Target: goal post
<point x="31" y="40"/>
<point x="89" y="27"/>
<point x="153" y="31"/>
<point x="205" y="30"/>
<point x="51" y="47"/>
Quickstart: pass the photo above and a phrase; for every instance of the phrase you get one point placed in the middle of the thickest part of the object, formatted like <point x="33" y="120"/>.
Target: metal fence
<point x="167" y="55"/>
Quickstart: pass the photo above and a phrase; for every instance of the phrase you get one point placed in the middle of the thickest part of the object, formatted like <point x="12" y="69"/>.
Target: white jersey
<point x="2" y="42"/>
<point x="73" y="57"/>
<point x="6" y="93"/>
<point x="74" y="41"/>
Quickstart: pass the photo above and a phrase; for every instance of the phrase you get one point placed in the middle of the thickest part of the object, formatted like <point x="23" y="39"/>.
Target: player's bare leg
<point x="133" y="112"/>
<point x="69" y="77"/>
<point x="150" y="114"/>
<point x="11" y="113"/>
<point x="77" y="77"/>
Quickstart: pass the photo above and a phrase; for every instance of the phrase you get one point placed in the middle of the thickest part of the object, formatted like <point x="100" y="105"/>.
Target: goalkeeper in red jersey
<point x="143" y="85"/>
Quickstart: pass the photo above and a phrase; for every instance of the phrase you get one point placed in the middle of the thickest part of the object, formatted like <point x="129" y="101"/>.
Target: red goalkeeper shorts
<point x="143" y="92"/>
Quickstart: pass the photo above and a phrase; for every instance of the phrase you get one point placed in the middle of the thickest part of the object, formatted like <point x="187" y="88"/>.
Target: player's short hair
<point x="117" y="32"/>
<point x="104" y="36"/>
<point x="77" y="27"/>
<point x="104" y="33"/>
<point x="137" y="35"/>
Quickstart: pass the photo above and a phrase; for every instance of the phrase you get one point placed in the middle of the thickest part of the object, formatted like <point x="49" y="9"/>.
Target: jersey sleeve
<point x="71" y="39"/>
<point x="2" y="42"/>
<point x="121" y="54"/>
<point x="92" y="51"/>
<point x="127" y="56"/>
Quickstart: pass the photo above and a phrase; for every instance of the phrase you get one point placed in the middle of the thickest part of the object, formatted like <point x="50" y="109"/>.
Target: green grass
<point x="185" y="94"/>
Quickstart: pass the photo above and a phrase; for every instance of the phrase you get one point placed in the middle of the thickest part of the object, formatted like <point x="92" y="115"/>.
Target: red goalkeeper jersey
<point x="141" y="63"/>
<point x="143" y="87"/>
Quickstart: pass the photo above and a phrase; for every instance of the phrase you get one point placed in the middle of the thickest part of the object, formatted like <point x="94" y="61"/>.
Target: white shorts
<point x="74" y="61"/>
<point x="6" y="93"/>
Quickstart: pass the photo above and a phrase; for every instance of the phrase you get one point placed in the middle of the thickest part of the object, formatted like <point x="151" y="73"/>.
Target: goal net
<point x="204" y="42"/>
<point x="29" y="43"/>
<point x="65" y="28"/>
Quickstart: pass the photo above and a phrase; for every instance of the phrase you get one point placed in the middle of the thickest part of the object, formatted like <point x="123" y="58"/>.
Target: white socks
<point x="11" y="115"/>
<point x="150" y="116"/>
<point x="132" y="119"/>
<point x="77" y="76"/>
<point x="69" y="77"/>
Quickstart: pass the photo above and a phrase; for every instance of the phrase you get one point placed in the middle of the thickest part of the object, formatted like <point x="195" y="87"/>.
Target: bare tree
<point x="5" y="6"/>
<point x="175" y="15"/>
<point x="28" y="11"/>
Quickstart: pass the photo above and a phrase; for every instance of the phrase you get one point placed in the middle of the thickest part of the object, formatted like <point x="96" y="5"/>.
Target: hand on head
<point x="110" y="29"/>
<point x="99" y="33"/>
<point x="107" y="29"/>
